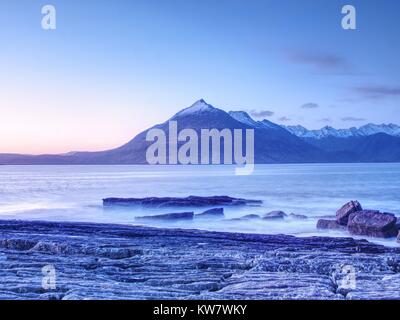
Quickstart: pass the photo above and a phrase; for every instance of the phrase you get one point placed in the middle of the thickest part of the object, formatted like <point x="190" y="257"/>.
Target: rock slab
<point x="168" y="217"/>
<point x="212" y="213"/>
<point x="106" y="261"/>
<point x="275" y="215"/>
<point x="373" y="224"/>
<point x="343" y="214"/>
<point x="191" y="201"/>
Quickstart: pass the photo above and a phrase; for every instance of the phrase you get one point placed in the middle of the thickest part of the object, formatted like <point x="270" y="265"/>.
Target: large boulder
<point x="275" y="215"/>
<point x="373" y="224"/>
<point x="168" y="217"/>
<point x="212" y="213"/>
<point x="342" y="215"/>
<point x="329" y="224"/>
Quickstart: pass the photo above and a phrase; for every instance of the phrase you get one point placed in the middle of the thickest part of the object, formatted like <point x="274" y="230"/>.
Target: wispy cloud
<point x="320" y="61"/>
<point x="310" y="105"/>
<point x="261" y="113"/>
<point x="283" y="119"/>
<point x="326" y="120"/>
<point x="378" y="91"/>
<point x="352" y="119"/>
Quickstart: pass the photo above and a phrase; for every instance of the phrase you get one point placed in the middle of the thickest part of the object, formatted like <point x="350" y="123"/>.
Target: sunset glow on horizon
<point x="113" y="69"/>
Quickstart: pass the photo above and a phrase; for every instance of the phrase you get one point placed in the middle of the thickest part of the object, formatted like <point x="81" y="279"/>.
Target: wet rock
<point x="342" y="215"/>
<point x="168" y="217"/>
<point x="329" y="224"/>
<point x="373" y="224"/>
<point x="104" y="261"/>
<point x="50" y="247"/>
<point x="191" y="201"/>
<point x="251" y="217"/>
<point x="17" y="244"/>
<point x="298" y="216"/>
<point x="275" y="215"/>
<point x="212" y="213"/>
<point x="118" y="253"/>
<point x="398" y="237"/>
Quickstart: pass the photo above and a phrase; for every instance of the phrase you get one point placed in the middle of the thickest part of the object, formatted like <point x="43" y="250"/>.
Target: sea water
<point x="75" y="193"/>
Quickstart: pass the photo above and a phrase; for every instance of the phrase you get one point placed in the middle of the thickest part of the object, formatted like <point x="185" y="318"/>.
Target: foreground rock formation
<point x="100" y="261"/>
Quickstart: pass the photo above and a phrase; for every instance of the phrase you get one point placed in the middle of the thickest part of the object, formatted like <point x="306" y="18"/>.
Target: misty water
<point x="75" y="193"/>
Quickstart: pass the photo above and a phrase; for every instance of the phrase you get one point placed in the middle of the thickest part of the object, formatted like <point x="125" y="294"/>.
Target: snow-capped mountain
<point x="366" y="130"/>
<point x="245" y="118"/>
<point x="272" y="144"/>
<point x="198" y="107"/>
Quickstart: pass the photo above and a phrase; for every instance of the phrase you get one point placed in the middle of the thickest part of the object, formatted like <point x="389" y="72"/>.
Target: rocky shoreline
<point x="361" y="222"/>
<point x="105" y="261"/>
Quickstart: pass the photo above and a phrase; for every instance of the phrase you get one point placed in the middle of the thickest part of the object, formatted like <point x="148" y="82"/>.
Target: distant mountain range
<point x="367" y="130"/>
<point x="273" y="143"/>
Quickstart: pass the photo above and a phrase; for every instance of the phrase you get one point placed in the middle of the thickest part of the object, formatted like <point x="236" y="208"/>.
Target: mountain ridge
<point x="328" y="131"/>
<point x="273" y="143"/>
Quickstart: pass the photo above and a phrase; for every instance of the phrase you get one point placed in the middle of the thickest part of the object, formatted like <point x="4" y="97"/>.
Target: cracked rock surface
<point x="104" y="261"/>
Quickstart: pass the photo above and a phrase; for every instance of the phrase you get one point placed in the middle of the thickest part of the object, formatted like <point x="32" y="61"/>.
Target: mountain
<point x="366" y="130"/>
<point x="369" y="143"/>
<point x="273" y="143"/>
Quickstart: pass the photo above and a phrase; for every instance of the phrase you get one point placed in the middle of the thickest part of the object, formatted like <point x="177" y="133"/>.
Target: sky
<point x="111" y="69"/>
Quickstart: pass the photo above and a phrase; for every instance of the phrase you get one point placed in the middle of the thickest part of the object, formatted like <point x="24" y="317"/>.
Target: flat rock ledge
<point x="190" y="201"/>
<point x="105" y="261"/>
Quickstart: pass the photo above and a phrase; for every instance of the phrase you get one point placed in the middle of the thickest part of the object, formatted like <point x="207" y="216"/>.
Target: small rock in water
<point x="329" y="224"/>
<point x="275" y="215"/>
<point x="373" y="223"/>
<point x="251" y="217"/>
<point x="342" y="215"/>
<point x="212" y="213"/>
<point x="168" y="216"/>
<point x="298" y="216"/>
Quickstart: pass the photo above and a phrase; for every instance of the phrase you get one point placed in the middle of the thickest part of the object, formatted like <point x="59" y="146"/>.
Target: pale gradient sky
<point x="115" y="68"/>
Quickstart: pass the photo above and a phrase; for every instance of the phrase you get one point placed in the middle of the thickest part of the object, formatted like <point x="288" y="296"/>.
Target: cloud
<point x="321" y="61"/>
<point x="352" y="119"/>
<point x="326" y="120"/>
<point x="378" y="92"/>
<point x="283" y="119"/>
<point x="261" y="113"/>
<point x="310" y="105"/>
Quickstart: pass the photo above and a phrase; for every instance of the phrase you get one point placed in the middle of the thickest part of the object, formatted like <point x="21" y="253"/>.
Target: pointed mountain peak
<point x="199" y="106"/>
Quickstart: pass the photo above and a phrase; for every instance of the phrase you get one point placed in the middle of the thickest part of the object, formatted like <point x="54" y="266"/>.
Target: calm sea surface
<point x="74" y="193"/>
